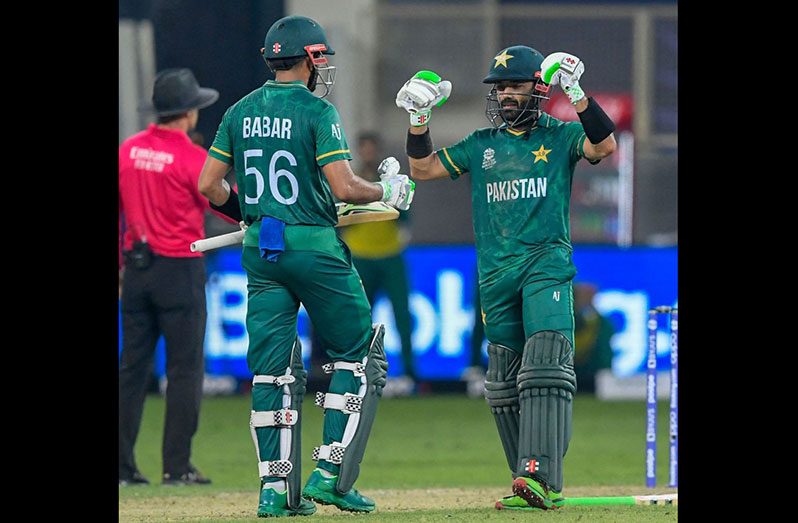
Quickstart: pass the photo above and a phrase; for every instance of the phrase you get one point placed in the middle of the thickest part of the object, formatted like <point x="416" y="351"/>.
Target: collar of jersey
<point x="514" y="132"/>
<point x="293" y="83"/>
<point x="544" y="121"/>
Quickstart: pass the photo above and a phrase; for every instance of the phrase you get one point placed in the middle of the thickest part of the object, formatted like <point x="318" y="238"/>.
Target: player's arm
<point x="191" y="172"/>
<point x="215" y="188"/>
<point x="566" y="70"/>
<point x="418" y="96"/>
<point x="426" y="167"/>
<point x="348" y="187"/>
<point x="333" y="158"/>
<point x="218" y="163"/>
<point x="395" y="189"/>
<point x="591" y="115"/>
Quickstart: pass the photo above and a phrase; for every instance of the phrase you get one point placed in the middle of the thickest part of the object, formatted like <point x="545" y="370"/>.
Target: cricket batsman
<point x="520" y="170"/>
<point x="290" y="156"/>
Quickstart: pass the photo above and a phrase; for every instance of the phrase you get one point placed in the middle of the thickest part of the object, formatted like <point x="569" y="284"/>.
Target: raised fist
<point x="420" y="94"/>
<point x="565" y="70"/>
<point x="388" y="167"/>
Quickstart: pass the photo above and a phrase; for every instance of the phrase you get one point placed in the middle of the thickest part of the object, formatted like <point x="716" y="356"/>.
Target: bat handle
<point x="224" y="240"/>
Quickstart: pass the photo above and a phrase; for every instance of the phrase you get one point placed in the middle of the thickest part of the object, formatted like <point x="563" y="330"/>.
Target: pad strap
<point x="334" y="453"/>
<point x="273" y="418"/>
<point x="278" y="381"/>
<point x="347" y="403"/>
<point x="278" y="468"/>
<point x="357" y="368"/>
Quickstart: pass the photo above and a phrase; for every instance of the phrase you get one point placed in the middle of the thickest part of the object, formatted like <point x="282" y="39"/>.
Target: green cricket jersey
<point x="277" y="138"/>
<point x="520" y="190"/>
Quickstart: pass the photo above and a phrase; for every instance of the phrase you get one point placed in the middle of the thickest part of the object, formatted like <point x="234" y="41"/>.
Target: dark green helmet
<point x="518" y="63"/>
<point x="294" y="36"/>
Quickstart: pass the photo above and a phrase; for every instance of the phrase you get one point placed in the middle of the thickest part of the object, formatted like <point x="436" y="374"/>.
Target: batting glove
<point x="388" y="167"/>
<point x="564" y="69"/>
<point x="420" y="94"/>
<point x="397" y="191"/>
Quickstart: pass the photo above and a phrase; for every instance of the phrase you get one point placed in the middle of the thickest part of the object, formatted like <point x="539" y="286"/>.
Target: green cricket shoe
<point x="274" y="504"/>
<point x="514" y="502"/>
<point x="322" y="490"/>
<point x="537" y="493"/>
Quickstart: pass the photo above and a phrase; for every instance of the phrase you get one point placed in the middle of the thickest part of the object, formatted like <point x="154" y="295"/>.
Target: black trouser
<point x="166" y="298"/>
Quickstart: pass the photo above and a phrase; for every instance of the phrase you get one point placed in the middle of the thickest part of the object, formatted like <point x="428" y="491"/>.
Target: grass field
<point x="430" y="458"/>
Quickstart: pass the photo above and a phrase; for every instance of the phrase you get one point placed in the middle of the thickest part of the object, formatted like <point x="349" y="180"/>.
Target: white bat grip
<point x="223" y="240"/>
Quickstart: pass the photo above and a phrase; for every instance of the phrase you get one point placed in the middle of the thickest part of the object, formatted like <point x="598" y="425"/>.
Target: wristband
<point x="418" y="145"/>
<point x="598" y="126"/>
<point x="230" y="208"/>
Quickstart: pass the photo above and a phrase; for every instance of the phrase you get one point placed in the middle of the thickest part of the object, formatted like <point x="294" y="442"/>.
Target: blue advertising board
<point x="442" y="283"/>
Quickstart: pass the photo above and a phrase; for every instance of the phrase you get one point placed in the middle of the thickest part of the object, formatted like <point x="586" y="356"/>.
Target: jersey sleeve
<point x="456" y="158"/>
<point x="222" y="148"/>
<point x="330" y="138"/>
<point x="575" y="138"/>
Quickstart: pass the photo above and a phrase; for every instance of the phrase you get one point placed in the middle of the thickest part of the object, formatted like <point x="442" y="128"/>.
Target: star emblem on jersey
<point x="540" y="154"/>
<point x="501" y="59"/>
<point x="276" y="47"/>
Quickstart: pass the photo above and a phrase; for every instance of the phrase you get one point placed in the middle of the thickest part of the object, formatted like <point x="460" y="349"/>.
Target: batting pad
<point x="359" y="426"/>
<point x="501" y="394"/>
<point x="546" y="385"/>
<point x="288" y="421"/>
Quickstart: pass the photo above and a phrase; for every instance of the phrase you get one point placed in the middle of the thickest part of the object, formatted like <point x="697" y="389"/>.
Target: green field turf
<point x="430" y="458"/>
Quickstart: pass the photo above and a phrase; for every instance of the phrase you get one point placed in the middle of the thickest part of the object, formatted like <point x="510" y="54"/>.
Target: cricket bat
<point x="348" y="214"/>
<point x="352" y="213"/>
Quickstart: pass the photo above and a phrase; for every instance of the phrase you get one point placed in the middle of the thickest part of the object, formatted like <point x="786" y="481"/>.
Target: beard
<point x="511" y="114"/>
<point x="511" y="111"/>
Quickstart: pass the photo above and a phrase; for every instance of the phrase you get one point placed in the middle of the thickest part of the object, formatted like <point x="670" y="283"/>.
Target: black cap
<point x="176" y="91"/>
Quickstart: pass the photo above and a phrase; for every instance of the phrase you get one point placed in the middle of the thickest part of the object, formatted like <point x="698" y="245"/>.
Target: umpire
<point x="162" y="281"/>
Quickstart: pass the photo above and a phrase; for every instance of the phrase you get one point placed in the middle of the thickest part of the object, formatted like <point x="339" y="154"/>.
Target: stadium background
<point x="624" y="212"/>
<point x="630" y="49"/>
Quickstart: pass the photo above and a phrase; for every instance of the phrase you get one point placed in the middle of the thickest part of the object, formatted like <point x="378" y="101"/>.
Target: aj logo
<point x="556" y="296"/>
<point x="336" y="130"/>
